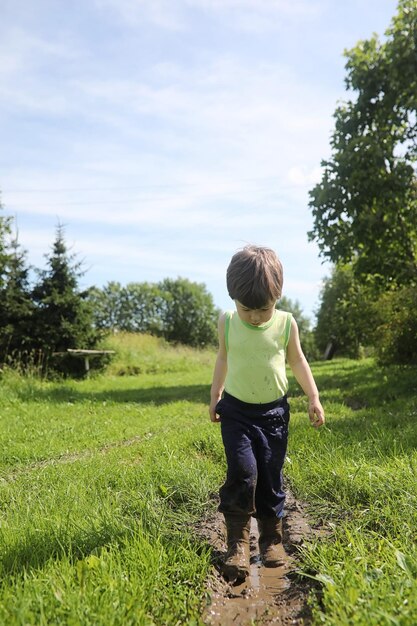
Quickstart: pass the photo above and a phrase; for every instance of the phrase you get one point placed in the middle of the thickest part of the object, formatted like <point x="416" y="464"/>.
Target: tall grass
<point x="138" y="353"/>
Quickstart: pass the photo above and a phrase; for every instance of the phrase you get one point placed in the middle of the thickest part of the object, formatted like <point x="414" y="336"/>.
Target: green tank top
<point x="256" y="357"/>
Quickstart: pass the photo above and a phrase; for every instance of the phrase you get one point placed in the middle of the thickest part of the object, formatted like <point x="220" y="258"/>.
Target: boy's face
<point x="255" y="317"/>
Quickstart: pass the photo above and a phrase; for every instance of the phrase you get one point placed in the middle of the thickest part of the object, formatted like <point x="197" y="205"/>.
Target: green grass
<point x="359" y="474"/>
<point x="101" y="482"/>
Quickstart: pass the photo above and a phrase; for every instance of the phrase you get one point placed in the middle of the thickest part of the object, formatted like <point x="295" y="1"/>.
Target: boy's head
<point x="254" y="277"/>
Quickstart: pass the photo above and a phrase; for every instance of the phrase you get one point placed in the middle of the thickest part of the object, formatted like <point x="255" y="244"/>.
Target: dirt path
<point x="273" y="596"/>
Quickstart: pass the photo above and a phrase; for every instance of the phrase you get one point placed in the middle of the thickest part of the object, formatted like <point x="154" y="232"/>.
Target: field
<point x="103" y="480"/>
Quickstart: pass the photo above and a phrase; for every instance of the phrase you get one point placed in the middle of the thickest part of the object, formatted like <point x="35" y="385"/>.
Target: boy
<point x="248" y="398"/>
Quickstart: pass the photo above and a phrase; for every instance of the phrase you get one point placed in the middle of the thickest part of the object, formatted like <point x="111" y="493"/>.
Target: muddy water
<point x="269" y="595"/>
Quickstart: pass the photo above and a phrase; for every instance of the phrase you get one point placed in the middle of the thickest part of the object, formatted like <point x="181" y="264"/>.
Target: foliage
<point x="106" y="304"/>
<point x="133" y="308"/>
<point x="189" y="315"/>
<point x="365" y="207"/>
<point x="63" y="317"/>
<point x="307" y="338"/>
<point x="17" y="308"/>
<point x="346" y="316"/>
<point x="397" y="330"/>
<point x="141" y="304"/>
<point x="178" y="310"/>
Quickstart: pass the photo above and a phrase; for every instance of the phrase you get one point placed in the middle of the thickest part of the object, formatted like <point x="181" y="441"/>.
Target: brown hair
<point x="254" y="276"/>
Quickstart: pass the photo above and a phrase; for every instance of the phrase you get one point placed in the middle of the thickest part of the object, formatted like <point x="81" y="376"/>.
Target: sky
<point x="164" y="135"/>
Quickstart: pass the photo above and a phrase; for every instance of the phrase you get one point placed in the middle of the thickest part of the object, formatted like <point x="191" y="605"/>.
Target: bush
<point x="346" y="314"/>
<point x="396" y="334"/>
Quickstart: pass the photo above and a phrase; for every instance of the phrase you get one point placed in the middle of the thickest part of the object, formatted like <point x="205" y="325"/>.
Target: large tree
<point x="188" y="314"/>
<point x="365" y="207"/>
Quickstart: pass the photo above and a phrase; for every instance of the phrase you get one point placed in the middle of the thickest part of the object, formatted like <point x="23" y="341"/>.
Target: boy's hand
<point x="316" y="413"/>
<point x="212" y="411"/>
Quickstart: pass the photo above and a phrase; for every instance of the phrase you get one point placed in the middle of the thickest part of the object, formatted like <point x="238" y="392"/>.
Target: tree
<point x="5" y="230"/>
<point x="17" y="309"/>
<point x="346" y="316"/>
<point x="397" y="327"/>
<point x="134" y="308"/>
<point x="365" y="207"/>
<point x="142" y="305"/>
<point x="178" y="310"/>
<point x="188" y="315"/>
<point x="106" y="305"/>
<point x="63" y="317"/>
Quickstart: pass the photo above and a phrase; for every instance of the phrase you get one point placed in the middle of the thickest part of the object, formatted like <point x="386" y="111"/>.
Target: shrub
<point x="396" y="334"/>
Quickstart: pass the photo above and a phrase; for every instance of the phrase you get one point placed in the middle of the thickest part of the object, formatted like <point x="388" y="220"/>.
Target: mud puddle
<point x="270" y="596"/>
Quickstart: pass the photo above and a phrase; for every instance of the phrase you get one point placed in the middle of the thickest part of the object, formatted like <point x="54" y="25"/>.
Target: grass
<point x="101" y="482"/>
<point x="359" y="474"/>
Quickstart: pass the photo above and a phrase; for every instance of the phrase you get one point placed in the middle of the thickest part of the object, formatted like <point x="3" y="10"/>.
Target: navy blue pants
<point x="255" y="442"/>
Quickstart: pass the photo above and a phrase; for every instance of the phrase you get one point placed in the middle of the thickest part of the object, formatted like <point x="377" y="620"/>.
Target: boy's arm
<point x="220" y="370"/>
<point x="302" y="373"/>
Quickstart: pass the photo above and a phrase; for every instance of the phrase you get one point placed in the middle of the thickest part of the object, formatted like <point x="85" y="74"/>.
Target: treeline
<point x="365" y="207"/>
<point x="177" y="309"/>
<point x="42" y="317"/>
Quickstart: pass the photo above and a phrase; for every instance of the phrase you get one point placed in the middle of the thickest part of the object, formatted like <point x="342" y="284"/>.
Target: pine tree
<point x="5" y="226"/>
<point x="17" y="308"/>
<point x="63" y="317"/>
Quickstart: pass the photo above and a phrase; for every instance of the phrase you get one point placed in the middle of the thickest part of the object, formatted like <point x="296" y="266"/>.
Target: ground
<point x="271" y="596"/>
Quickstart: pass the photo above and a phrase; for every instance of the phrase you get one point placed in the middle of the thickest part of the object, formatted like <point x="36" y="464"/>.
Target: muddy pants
<point x="255" y="442"/>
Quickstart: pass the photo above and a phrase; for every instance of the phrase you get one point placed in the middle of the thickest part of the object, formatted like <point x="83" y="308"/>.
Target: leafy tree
<point x="365" y="207"/>
<point x="346" y="316"/>
<point x="106" y="306"/>
<point x="188" y="315"/>
<point x="142" y="305"/>
<point x="63" y="317"/>
<point x="178" y="310"/>
<point x="134" y="308"/>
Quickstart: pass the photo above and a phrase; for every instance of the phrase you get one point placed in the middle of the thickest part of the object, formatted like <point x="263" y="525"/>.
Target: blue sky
<point x="166" y="134"/>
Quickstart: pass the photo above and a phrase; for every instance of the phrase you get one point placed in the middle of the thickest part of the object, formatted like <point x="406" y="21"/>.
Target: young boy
<point x="248" y="398"/>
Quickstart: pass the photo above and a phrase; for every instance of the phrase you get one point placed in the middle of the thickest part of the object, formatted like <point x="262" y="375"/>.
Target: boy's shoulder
<point x="282" y="313"/>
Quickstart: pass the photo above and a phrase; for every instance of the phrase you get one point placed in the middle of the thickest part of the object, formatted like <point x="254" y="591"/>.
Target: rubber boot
<point x="236" y="564"/>
<point x="270" y="541"/>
